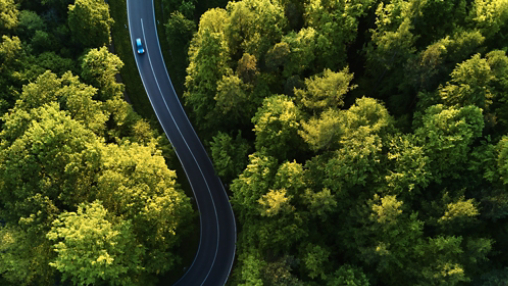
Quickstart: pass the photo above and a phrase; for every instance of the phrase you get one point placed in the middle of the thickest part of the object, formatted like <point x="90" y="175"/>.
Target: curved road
<point x="214" y="259"/>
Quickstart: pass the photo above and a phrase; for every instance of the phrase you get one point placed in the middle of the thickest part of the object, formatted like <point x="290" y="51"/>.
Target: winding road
<point x="214" y="259"/>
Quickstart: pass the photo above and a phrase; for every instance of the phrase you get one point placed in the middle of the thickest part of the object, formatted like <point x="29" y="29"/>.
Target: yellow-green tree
<point x="95" y="247"/>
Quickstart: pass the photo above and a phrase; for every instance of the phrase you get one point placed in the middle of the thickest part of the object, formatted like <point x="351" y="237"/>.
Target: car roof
<point x="138" y="40"/>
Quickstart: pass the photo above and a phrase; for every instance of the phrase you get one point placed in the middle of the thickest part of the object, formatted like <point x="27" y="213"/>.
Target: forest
<point x="362" y="142"/>
<point x="86" y="194"/>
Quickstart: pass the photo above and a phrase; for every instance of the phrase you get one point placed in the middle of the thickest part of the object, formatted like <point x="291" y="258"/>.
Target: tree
<point x="57" y="64"/>
<point x="366" y="117"/>
<point x="302" y="47"/>
<point x="459" y="215"/>
<point x="47" y="142"/>
<point x="446" y="134"/>
<point x="25" y="252"/>
<point x="324" y="132"/>
<point x="90" y="23"/>
<point x="232" y="99"/>
<point x="11" y="58"/>
<point x="208" y="56"/>
<point x="253" y="266"/>
<point x="393" y="231"/>
<point x="276" y="125"/>
<point x="348" y="275"/>
<point x="392" y="43"/>
<point x="411" y="172"/>
<point x="274" y="202"/>
<point x="99" y="68"/>
<point x="29" y="22"/>
<point x="179" y="33"/>
<point x="254" y="26"/>
<point x="8" y="15"/>
<point x="46" y="162"/>
<point x="252" y="183"/>
<point x="136" y="183"/>
<point x="229" y="155"/>
<point x="61" y="5"/>
<point x="336" y="24"/>
<point x="490" y="16"/>
<point x="320" y="204"/>
<point x="183" y="7"/>
<point x="316" y="259"/>
<point x="247" y="68"/>
<point x="94" y="247"/>
<point x="74" y="97"/>
<point x="468" y="84"/>
<point x="326" y="91"/>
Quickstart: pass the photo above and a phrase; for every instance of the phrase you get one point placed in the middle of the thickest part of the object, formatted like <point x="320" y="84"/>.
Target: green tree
<point x="490" y="16"/>
<point x="11" y="62"/>
<point x="29" y="22"/>
<point x="324" y="132"/>
<point x="94" y="247"/>
<point x="136" y="182"/>
<point x="253" y="27"/>
<point x="326" y="91"/>
<point x="99" y="68"/>
<point x="232" y="99"/>
<point x="336" y="24"/>
<point x="348" y="275"/>
<point x="229" y="155"/>
<point x="73" y="96"/>
<point x="57" y="64"/>
<point x="208" y="56"/>
<point x="411" y="171"/>
<point x="446" y="135"/>
<point x="253" y="266"/>
<point x="392" y="44"/>
<point x="247" y="69"/>
<point x="47" y="142"/>
<point x="90" y="23"/>
<point x="469" y="84"/>
<point x="393" y="230"/>
<point x="8" y="15"/>
<point x="316" y="260"/>
<point x="252" y="183"/>
<point x="366" y="117"/>
<point x="302" y="47"/>
<point x="459" y="215"/>
<point x="276" y="126"/>
<point x="179" y="33"/>
<point x="25" y="253"/>
<point x="46" y="160"/>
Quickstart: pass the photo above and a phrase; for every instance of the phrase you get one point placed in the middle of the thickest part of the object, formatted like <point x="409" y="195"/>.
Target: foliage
<point x="99" y="68"/>
<point x="276" y="125"/>
<point x="92" y="248"/>
<point x="8" y="15"/>
<point x="229" y="155"/>
<point x="327" y="91"/>
<point x="90" y="23"/>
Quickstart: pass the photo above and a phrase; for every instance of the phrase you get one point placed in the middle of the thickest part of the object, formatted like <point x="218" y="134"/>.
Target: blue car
<point x="141" y="50"/>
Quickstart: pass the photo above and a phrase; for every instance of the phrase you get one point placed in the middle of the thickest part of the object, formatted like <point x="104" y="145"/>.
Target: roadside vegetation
<point x="363" y="141"/>
<point x="86" y="195"/>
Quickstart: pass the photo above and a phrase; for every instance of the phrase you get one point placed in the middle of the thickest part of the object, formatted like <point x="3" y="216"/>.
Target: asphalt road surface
<point x="214" y="259"/>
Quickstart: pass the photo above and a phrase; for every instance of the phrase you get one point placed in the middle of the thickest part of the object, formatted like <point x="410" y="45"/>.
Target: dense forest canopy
<point x="86" y="195"/>
<point x="364" y="141"/>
